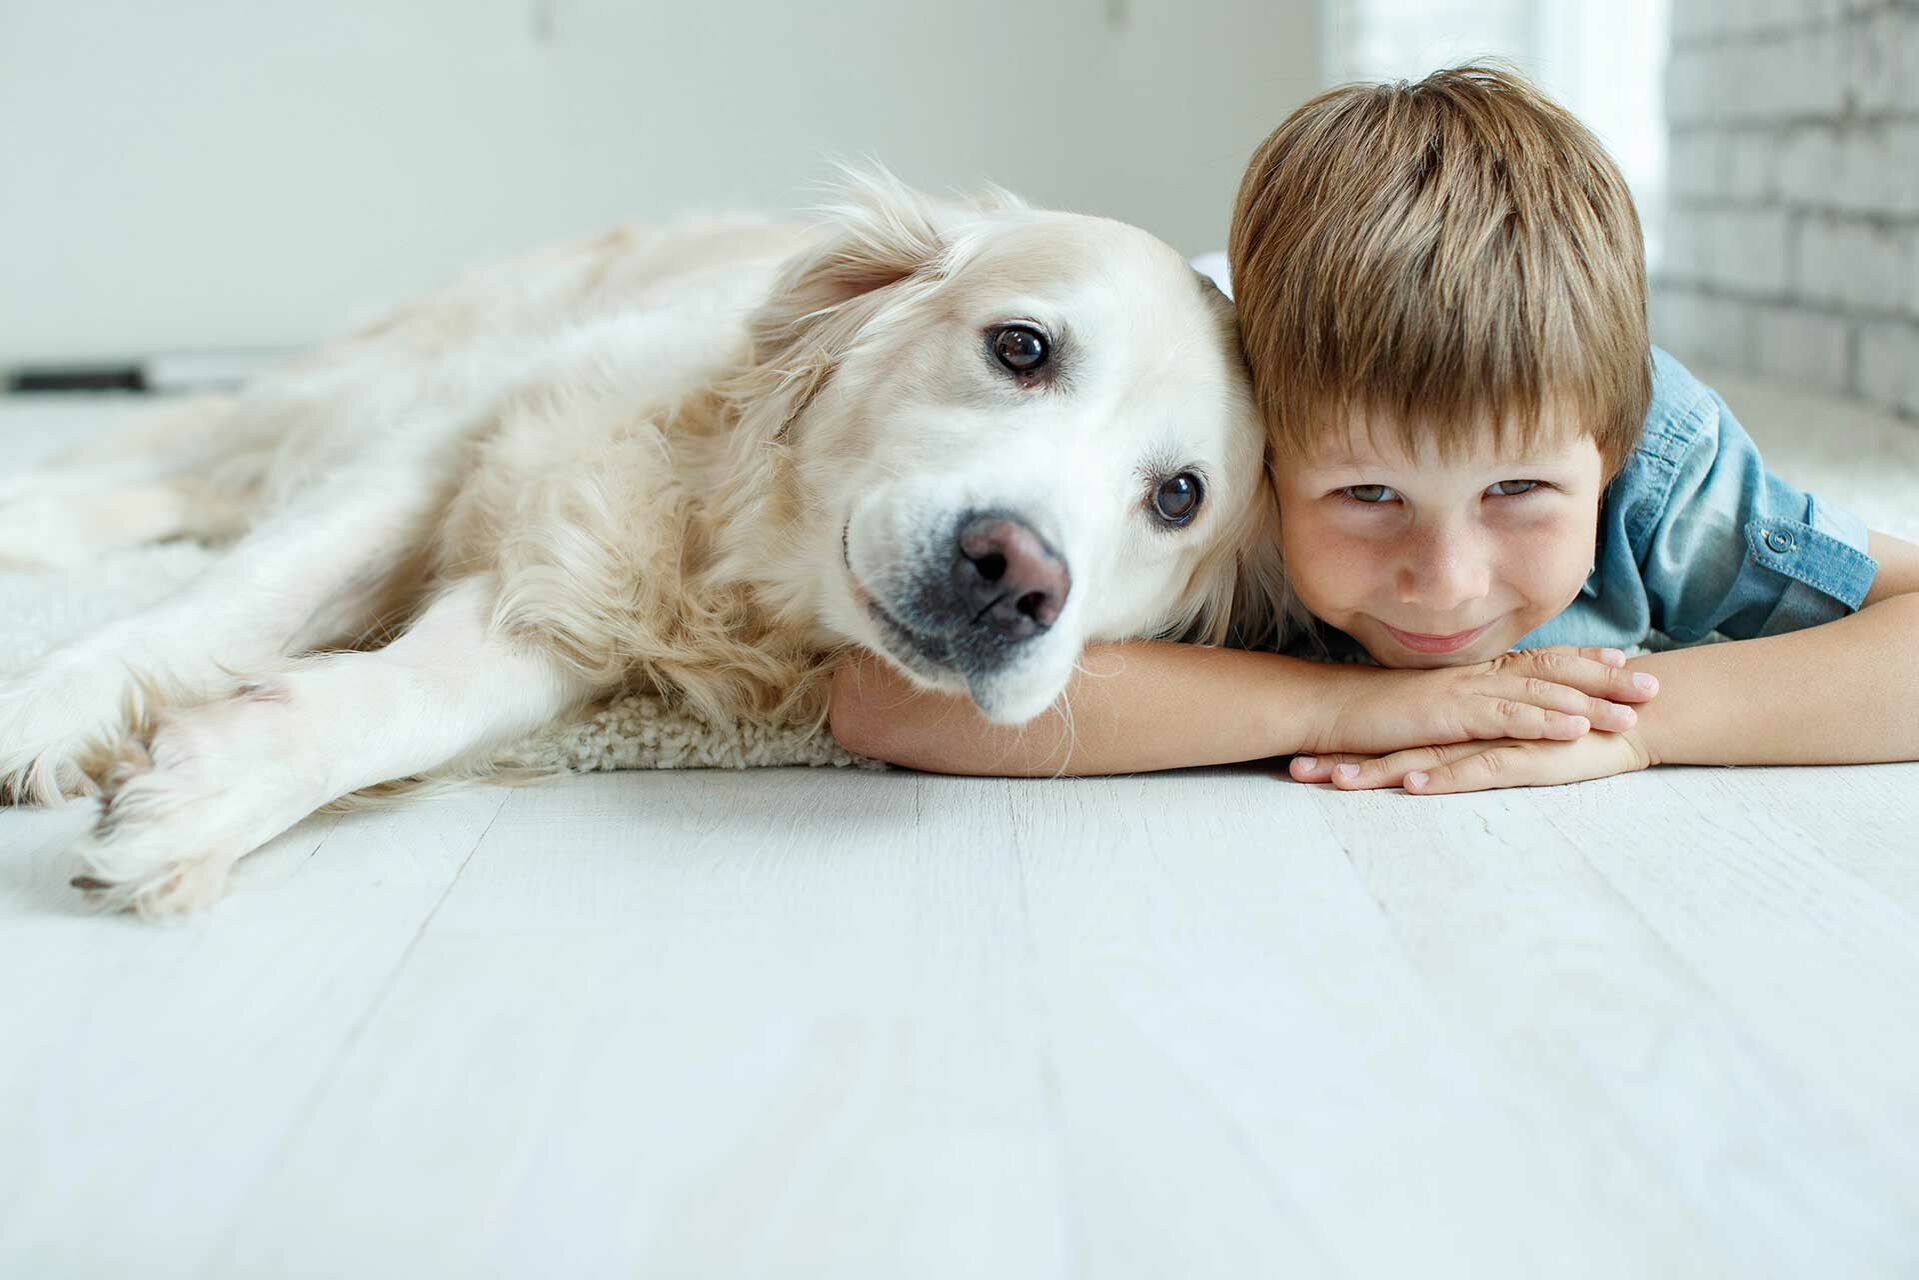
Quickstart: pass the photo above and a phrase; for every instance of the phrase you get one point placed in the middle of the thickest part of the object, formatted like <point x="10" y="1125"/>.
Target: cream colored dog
<point x="969" y="437"/>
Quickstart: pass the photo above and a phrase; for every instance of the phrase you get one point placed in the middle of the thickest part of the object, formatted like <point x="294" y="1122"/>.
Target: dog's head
<point x="1004" y="432"/>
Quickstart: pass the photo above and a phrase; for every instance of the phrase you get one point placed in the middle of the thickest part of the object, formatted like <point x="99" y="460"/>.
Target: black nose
<point x="1007" y="578"/>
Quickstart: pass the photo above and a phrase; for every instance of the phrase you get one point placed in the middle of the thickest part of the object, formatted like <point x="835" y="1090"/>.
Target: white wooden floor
<point x="809" y="1023"/>
<point x="847" y="1024"/>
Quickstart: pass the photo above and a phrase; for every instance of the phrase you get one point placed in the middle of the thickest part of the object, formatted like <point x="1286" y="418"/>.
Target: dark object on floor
<point x="77" y="377"/>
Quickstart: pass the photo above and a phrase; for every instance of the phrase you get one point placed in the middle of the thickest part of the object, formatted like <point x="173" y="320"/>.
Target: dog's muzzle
<point x="991" y="587"/>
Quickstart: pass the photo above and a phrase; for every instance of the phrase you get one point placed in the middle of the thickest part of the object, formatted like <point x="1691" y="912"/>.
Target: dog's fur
<point x="705" y="460"/>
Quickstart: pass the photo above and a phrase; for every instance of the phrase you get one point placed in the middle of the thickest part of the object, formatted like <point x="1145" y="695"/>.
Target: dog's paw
<point x="179" y="807"/>
<point x="61" y="717"/>
<point x="166" y="837"/>
<point x="44" y="776"/>
<point x="50" y="746"/>
<point x="135" y="857"/>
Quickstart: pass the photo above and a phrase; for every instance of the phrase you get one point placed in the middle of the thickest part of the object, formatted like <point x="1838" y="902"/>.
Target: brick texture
<point x="1792" y="242"/>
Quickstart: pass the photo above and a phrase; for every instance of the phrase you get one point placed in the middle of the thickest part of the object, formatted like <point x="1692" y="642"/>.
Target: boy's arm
<point x="1846" y="692"/>
<point x="1159" y="705"/>
<point x="1129" y="708"/>
<point x="1898" y="567"/>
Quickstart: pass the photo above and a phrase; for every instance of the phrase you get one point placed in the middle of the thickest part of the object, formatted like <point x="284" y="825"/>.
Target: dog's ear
<point x="877" y="237"/>
<point x="876" y="232"/>
<point x="1239" y="594"/>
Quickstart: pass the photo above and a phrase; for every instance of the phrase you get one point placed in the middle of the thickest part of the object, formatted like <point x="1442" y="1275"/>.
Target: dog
<point x="967" y="434"/>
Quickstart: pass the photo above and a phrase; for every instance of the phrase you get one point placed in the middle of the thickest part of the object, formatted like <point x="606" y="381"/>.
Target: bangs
<point x="1450" y="415"/>
<point x="1442" y="260"/>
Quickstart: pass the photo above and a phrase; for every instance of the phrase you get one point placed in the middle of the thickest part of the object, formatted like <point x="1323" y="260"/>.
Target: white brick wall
<point x="1801" y="345"/>
<point x="1793" y="236"/>
<point x="1886" y="372"/>
<point x="1852" y="267"/>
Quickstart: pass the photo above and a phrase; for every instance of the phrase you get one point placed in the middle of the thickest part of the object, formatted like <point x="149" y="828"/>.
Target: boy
<point x="1441" y="293"/>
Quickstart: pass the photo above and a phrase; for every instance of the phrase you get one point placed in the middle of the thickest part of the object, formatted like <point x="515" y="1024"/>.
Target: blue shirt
<point x="1697" y="537"/>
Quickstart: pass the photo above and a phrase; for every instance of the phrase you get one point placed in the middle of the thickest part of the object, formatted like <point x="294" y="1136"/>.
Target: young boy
<point x="1442" y="298"/>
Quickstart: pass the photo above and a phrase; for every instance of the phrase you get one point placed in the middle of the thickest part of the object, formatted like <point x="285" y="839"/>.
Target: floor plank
<point x="1249" y="1067"/>
<point x="706" y="1032"/>
<point x="151" y="1072"/>
<point x="1595" y="1006"/>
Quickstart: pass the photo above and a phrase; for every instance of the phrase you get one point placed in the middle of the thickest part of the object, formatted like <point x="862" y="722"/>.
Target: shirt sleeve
<point x="1735" y="549"/>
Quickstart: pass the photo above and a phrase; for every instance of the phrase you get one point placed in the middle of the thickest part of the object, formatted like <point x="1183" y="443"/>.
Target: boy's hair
<point x="1449" y="255"/>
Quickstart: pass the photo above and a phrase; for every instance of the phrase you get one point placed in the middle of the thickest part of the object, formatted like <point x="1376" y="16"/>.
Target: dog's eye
<point x="1178" y="498"/>
<point x="1020" y="347"/>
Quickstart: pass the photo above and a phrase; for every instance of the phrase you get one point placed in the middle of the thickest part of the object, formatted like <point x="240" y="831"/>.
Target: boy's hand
<point x="1554" y="694"/>
<point x="1481" y="766"/>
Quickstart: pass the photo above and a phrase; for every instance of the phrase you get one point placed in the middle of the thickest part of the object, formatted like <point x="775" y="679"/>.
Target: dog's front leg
<point x="306" y="577"/>
<point x="212" y="783"/>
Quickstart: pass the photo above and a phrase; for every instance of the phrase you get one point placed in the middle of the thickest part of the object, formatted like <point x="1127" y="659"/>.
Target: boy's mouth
<point x="1419" y="642"/>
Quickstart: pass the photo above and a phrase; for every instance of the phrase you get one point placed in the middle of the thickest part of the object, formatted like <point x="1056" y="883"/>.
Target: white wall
<point x="262" y="173"/>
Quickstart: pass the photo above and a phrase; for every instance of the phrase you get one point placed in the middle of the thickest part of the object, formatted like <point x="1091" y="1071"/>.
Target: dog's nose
<point x="1006" y="576"/>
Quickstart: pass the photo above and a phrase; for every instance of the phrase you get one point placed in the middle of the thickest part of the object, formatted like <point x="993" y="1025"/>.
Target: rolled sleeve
<point x="1739" y="551"/>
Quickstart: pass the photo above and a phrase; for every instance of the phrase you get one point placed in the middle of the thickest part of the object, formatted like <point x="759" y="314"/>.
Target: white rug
<point x="1855" y="457"/>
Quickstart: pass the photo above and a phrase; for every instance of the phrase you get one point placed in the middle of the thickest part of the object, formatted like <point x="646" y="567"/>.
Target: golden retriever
<point x="968" y="435"/>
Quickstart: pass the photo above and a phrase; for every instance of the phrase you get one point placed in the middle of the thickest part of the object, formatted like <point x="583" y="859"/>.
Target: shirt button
<point x="1779" y="540"/>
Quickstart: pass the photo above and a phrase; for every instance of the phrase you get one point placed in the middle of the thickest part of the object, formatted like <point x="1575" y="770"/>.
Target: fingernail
<point x="1613" y="657"/>
<point x="1580" y="724"/>
<point x="1346" y="771"/>
<point x="1306" y="762"/>
<point x="1649" y="683"/>
<point x="1415" y="780"/>
<point x="1629" y="715"/>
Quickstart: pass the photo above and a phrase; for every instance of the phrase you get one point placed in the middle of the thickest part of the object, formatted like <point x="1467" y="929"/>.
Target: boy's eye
<point x="1512" y="488"/>
<point x="1369" y="493"/>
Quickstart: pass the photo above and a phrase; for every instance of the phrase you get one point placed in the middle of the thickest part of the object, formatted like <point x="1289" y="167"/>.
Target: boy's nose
<point x="1443" y="571"/>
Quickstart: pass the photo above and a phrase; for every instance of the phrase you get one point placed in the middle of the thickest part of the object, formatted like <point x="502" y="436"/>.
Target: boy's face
<point x="1431" y="563"/>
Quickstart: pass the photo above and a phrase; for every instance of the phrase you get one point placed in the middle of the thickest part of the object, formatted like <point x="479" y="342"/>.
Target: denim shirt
<point x="1697" y="537"/>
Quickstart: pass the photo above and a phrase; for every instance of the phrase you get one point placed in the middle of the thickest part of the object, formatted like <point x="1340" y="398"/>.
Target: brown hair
<point x="1454" y="253"/>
